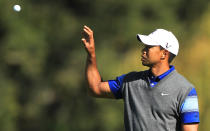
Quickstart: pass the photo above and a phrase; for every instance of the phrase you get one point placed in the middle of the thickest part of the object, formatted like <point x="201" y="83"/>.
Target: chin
<point x="146" y="64"/>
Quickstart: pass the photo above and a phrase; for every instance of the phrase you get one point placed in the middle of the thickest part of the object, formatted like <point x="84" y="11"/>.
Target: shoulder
<point x="181" y="86"/>
<point x="181" y="80"/>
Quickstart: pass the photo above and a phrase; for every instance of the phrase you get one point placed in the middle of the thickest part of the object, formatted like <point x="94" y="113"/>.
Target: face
<point x="151" y="55"/>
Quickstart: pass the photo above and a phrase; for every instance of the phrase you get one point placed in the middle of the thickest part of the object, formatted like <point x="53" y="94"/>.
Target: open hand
<point x="88" y="40"/>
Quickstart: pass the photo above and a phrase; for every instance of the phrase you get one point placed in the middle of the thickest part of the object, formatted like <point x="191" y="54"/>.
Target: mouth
<point x="142" y="59"/>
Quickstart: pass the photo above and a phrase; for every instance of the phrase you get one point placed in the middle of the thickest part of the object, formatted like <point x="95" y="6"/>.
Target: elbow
<point x="93" y="93"/>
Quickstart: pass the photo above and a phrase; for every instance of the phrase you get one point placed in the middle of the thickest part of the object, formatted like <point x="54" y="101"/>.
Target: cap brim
<point x="146" y="40"/>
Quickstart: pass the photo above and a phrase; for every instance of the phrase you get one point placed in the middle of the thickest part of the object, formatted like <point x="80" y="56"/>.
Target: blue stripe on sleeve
<point x="189" y="108"/>
<point x="192" y="92"/>
<point x="116" y="85"/>
<point x="190" y="117"/>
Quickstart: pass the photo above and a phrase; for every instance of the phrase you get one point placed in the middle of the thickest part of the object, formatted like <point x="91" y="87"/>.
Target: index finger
<point x="87" y="28"/>
<point x="87" y="32"/>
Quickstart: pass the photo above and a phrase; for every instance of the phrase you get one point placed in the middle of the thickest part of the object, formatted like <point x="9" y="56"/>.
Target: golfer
<point x="157" y="99"/>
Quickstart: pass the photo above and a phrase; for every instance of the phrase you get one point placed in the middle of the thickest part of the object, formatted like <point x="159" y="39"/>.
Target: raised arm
<point x="96" y="87"/>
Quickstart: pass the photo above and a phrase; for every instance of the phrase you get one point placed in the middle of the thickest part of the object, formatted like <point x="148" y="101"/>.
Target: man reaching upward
<point x="157" y="99"/>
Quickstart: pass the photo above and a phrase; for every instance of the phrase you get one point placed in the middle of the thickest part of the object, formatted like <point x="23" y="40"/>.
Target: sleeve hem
<point x="113" y="89"/>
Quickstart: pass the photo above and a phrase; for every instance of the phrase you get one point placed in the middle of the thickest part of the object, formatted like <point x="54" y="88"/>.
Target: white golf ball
<point x="17" y="8"/>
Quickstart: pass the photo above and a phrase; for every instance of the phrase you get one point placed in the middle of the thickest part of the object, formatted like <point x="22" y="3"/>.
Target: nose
<point x="143" y="53"/>
<point x="144" y="50"/>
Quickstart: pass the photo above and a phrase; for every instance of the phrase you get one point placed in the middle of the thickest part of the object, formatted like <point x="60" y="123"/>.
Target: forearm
<point x="96" y="87"/>
<point x="92" y="75"/>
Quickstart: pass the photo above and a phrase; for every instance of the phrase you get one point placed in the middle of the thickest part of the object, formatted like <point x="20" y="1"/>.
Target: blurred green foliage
<point x="42" y="59"/>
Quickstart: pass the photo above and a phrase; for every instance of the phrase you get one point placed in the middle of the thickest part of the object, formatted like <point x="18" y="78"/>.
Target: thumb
<point x="84" y="41"/>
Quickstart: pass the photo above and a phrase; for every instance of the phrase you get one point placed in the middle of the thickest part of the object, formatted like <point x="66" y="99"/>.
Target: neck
<point x="159" y="69"/>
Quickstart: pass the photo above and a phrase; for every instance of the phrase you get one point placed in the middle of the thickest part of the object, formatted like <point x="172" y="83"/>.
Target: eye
<point x="148" y="47"/>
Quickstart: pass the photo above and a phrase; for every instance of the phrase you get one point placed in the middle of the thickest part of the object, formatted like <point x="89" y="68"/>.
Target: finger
<point x="84" y="41"/>
<point x="87" y="28"/>
<point x="87" y="32"/>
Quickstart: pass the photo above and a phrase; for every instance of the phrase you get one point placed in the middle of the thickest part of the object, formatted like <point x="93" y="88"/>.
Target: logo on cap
<point x="168" y="46"/>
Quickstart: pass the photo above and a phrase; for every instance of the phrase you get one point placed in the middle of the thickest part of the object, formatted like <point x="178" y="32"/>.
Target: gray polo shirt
<point x="155" y="108"/>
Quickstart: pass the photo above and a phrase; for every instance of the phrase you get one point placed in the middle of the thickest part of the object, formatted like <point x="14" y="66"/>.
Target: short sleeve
<point x="190" y="109"/>
<point x="116" y="85"/>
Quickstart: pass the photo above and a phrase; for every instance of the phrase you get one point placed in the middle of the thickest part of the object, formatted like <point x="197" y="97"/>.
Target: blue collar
<point x="160" y="77"/>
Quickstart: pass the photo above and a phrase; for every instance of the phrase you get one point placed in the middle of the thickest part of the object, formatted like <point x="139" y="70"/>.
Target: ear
<point x="164" y="54"/>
